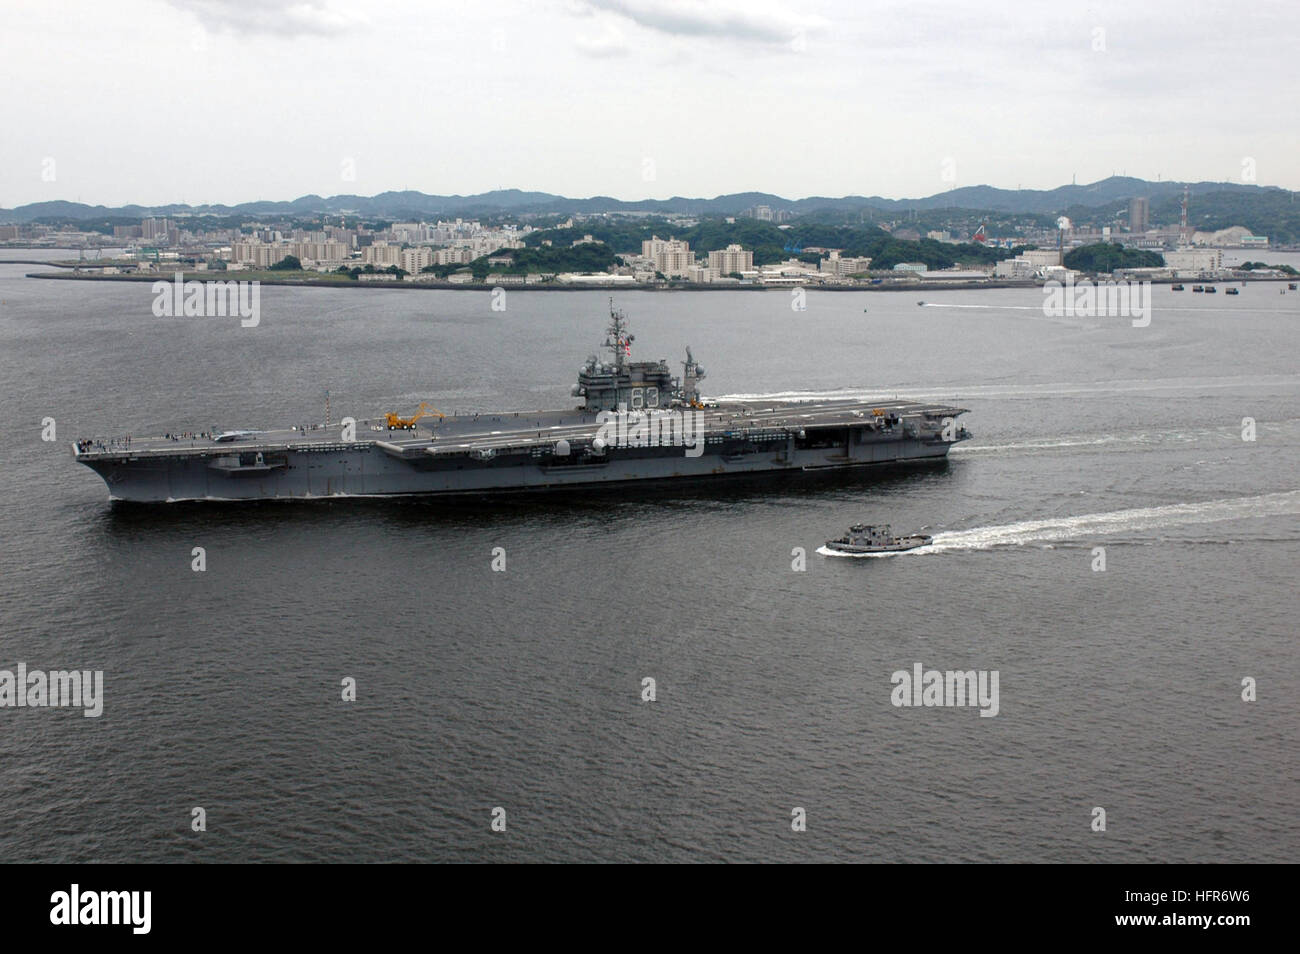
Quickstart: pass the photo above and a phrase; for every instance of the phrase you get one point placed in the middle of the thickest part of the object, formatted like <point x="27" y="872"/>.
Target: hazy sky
<point x="229" y="101"/>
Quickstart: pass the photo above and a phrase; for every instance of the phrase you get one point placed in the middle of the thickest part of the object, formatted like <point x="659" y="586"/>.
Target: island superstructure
<point x="636" y="422"/>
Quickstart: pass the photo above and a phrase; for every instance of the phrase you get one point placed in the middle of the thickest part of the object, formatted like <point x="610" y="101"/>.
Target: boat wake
<point x="976" y="392"/>
<point x="940" y="304"/>
<point x="1141" y="439"/>
<point x="1164" y="308"/>
<point x="1089" y="526"/>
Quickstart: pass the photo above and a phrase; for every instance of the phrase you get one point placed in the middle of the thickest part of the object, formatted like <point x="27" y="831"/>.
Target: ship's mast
<point x="617" y="338"/>
<point x="691" y="375"/>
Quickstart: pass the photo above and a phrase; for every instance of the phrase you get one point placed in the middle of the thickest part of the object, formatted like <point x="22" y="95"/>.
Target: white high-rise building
<point x="671" y="257"/>
<point x="415" y="259"/>
<point x="258" y="254"/>
<point x="318" y="251"/>
<point x="381" y="255"/>
<point x="731" y="259"/>
<point x="460" y="255"/>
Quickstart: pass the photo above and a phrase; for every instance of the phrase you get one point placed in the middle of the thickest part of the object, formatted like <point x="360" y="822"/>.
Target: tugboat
<point x="865" y="538"/>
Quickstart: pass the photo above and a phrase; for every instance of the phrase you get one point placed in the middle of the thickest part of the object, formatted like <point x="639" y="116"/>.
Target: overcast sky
<point x="150" y="101"/>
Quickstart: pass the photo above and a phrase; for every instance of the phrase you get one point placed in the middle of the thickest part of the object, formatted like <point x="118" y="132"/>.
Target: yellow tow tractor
<point x="396" y="423"/>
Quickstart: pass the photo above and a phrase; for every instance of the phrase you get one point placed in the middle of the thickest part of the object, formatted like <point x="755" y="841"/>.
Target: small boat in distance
<point x="867" y="538"/>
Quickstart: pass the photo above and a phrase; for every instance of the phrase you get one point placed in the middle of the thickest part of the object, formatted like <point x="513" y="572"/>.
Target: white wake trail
<point x="1088" y="526"/>
<point x="941" y="304"/>
<point x="976" y="392"/>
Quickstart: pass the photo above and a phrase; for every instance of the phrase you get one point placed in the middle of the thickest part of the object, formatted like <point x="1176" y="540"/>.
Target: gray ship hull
<point x="530" y="451"/>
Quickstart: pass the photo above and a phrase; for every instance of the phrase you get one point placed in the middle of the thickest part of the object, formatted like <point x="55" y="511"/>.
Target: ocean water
<point x="522" y="689"/>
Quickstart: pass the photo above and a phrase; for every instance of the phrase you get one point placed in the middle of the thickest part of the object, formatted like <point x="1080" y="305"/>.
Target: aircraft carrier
<point x="635" y="422"/>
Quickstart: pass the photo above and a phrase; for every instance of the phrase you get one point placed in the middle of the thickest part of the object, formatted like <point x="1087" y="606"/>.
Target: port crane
<point x="397" y="423"/>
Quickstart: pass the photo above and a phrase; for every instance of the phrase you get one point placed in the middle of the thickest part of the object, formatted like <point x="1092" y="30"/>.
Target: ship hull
<point x="492" y="455"/>
<point x="369" y="473"/>
<point x="909" y="543"/>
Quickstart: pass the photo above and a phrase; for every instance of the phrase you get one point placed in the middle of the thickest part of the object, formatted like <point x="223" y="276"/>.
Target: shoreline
<point x="600" y="286"/>
<point x="538" y="287"/>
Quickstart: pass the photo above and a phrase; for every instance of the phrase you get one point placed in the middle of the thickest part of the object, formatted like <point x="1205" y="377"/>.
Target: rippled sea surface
<point x="521" y="689"/>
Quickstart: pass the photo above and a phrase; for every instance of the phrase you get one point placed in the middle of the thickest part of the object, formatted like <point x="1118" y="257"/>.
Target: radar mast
<point x="616" y="337"/>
